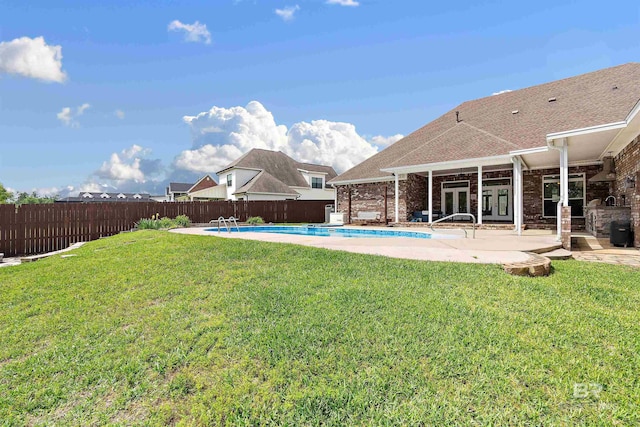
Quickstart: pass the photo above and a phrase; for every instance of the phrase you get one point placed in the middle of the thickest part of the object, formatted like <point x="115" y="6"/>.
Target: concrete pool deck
<point x="489" y="246"/>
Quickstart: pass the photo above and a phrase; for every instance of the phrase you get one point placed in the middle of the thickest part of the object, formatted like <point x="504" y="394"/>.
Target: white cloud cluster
<point x="221" y="135"/>
<point x="287" y="13"/>
<point x="119" y="114"/>
<point x="32" y="58"/>
<point x="352" y="3"/>
<point x="501" y="92"/>
<point x="195" y="32"/>
<point x="128" y="165"/>
<point x="69" y="118"/>
<point x="384" y="141"/>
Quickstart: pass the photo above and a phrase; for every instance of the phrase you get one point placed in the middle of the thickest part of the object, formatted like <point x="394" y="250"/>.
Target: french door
<point x="455" y="197"/>
<point x="497" y="201"/>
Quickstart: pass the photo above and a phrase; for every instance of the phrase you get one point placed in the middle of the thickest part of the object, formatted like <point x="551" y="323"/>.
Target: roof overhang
<point x="361" y="180"/>
<point x="454" y="164"/>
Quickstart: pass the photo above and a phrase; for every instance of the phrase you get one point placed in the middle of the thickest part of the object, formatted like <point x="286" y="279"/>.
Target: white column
<point x="430" y="195"/>
<point x="517" y="195"/>
<point x="397" y="197"/>
<point x="479" y="195"/>
<point x="562" y="146"/>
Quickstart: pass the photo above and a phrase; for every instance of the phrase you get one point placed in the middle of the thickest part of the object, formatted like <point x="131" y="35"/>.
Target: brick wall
<point x="369" y="198"/>
<point x="532" y="198"/>
<point x="413" y="194"/>
<point x="627" y="164"/>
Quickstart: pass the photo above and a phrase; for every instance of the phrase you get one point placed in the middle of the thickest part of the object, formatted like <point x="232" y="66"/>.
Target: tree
<point x="5" y="195"/>
<point x="24" y="198"/>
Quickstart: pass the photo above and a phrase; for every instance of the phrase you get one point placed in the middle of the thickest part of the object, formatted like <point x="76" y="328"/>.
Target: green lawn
<point x="155" y="328"/>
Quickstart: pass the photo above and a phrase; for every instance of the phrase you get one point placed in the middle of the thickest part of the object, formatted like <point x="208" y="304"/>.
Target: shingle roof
<point x="279" y="165"/>
<point x="488" y="126"/>
<point x="264" y="182"/>
<point x="179" y="187"/>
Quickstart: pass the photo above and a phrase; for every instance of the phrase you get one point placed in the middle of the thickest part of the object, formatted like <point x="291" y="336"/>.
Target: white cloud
<point x="501" y="92"/>
<point x="287" y="13"/>
<point x="129" y="165"/>
<point x="32" y="58"/>
<point x="195" y="32"/>
<point x="68" y="117"/>
<point x="221" y="135"/>
<point x="344" y="2"/>
<point x="119" y="114"/>
<point x="384" y="141"/>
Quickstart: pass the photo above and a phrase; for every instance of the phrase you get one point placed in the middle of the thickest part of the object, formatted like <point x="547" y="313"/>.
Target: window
<point x="229" y="180"/>
<point x="316" y="182"/>
<point x="551" y="195"/>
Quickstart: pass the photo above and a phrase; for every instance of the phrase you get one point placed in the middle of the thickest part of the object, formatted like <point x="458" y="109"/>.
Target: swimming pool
<point x="331" y="231"/>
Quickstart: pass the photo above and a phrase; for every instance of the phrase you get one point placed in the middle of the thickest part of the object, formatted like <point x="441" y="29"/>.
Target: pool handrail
<point x="227" y="226"/>
<point x="458" y="214"/>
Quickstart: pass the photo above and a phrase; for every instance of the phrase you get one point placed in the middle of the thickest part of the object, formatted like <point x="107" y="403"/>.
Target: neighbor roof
<point x="264" y="182"/>
<point x="280" y="166"/>
<point x="510" y="121"/>
<point x="179" y="187"/>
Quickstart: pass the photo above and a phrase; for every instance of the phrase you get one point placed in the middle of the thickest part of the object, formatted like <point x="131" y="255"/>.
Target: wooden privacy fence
<point x="35" y="229"/>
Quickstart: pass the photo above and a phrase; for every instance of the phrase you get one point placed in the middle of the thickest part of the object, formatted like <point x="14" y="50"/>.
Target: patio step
<point x="558" y="254"/>
<point x="535" y="266"/>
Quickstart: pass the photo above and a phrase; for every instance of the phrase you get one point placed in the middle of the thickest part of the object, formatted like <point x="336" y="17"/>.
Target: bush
<point x="147" y="224"/>
<point x="156" y="223"/>
<point x="165" y="222"/>
<point x="182" y="221"/>
<point x="255" y="220"/>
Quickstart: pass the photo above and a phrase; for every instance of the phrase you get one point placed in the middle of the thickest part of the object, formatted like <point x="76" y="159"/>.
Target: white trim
<point x="585" y="131"/>
<point x="363" y="181"/>
<point x="535" y="150"/>
<point x="453" y="164"/>
<point x="479" y="196"/>
<point x="571" y="165"/>
<point x="238" y="167"/>
<point x="312" y="172"/>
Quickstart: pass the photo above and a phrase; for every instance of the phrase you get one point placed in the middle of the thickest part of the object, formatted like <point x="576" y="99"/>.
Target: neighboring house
<point x="206" y="189"/>
<point x="272" y="175"/>
<point x="93" y="197"/>
<point x="176" y="190"/>
<point x="514" y="157"/>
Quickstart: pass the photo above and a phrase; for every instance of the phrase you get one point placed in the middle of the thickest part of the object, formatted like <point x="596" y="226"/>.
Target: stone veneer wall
<point x="532" y="198"/>
<point x="627" y="164"/>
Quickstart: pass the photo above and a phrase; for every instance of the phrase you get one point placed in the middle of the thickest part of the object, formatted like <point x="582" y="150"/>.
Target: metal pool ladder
<point x="458" y="214"/>
<point x="227" y="226"/>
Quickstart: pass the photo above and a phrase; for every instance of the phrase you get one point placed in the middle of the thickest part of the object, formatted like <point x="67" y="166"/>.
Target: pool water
<point x="328" y="231"/>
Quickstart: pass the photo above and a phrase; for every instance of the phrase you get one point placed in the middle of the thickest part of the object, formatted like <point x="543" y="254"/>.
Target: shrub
<point x="147" y="224"/>
<point x="255" y="220"/>
<point x="165" y="222"/>
<point x="182" y="221"/>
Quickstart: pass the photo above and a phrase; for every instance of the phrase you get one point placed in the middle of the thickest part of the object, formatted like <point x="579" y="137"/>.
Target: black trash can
<point x="621" y="234"/>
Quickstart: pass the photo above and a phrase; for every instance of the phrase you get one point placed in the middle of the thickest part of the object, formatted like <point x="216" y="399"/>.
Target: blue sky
<point x="333" y="83"/>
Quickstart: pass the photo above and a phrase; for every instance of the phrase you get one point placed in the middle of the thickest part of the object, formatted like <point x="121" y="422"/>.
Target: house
<point x="176" y="190"/>
<point x="205" y="189"/>
<point x="272" y="175"/>
<point x="100" y="197"/>
<point x="547" y="156"/>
